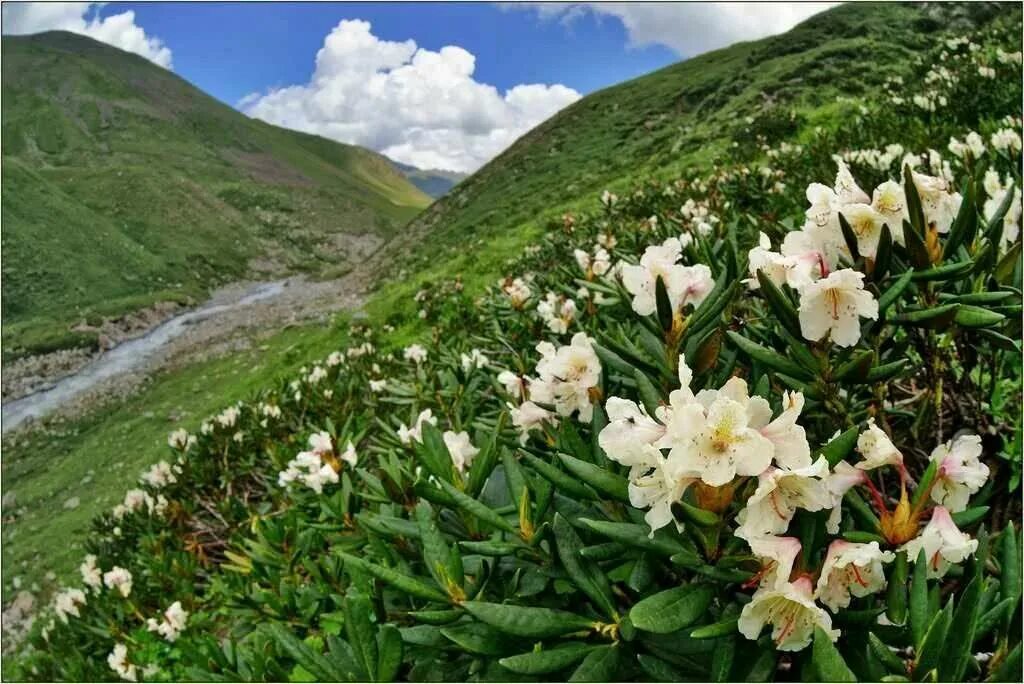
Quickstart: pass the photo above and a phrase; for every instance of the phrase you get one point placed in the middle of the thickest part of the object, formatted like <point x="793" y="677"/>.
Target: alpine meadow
<point x="715" y="375"/>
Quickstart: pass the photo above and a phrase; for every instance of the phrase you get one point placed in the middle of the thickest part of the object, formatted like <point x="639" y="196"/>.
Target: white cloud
<point x="414" y="105"/>
<point x="689" y="28"/>
<point x="119" y="30"/>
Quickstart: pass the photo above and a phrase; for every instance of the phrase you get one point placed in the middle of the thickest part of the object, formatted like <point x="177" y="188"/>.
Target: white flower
<point x="316" y="375"/>
<point x="834" y="305"/>
<point x="716" y="440"/>
<point x="474" y="359"/>
<point x="512" y="383"/>
<point x="996" y="192"/>
<point x="516" y="290"/>
<point x="775" y="266"/>
<point x="407" y="435"/>
<point x="118" y="662"/>
<point x="792" y="612"/>
<point x="939" y="205"/>
<point x="528" y="416"/>
<point x="271" y="411"/>
<point x="777" y="555"/>
<point x="557" y="312"/>
<point x="159" y="475"/>
<point x="789" y="439"/>
<point x="608" y="198"/>
<point x="308" y="467"/>
<point x="227" y="417"/>
<point x="321" y="443"/>
<point x="846" y="188"/>
<point x="960" y="472"/>
<point x="349" y="455"/>
<point x="942" y="542"/>
<point x="876" y="449"/>
<point x="120" y="579"/>
<point x="662" y="485"/>
<point x="779" y="494"/>
<point x="866" y="224"/>
<point x="334" y="359"/>
<point x="629" y="433"/>
<point x="460" y="449"/>
<point x="851" y="570"/>
<point x="91" y="575"/>
<point x="378" y="386"/>
<point x="415" y="353"/>
<point x="66" y="603"/>
<point x="174" y="620"/>
<point x="889" y="200"/>
<point x="1006" y="139"/>
<point x="567" y="375"/>
<point x="843" y="478"/>
<point x="683" y="284"/>
<point x="181" y="440"/>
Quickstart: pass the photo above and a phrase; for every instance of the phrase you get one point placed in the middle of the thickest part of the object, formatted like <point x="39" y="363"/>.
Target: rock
<point x="9" y="501"/>
<point x="72" y="503"/>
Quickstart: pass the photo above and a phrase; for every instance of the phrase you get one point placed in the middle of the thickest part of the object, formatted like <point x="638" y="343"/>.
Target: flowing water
<point x="127" y="356"/>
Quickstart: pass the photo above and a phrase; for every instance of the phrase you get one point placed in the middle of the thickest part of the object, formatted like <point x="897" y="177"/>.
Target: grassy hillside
<point x="434" y="182"/>
<point x="111" y="160"/>
<point x="688" y="115"/>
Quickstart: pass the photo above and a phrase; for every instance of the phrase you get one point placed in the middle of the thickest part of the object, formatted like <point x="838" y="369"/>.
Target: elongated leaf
<point x="389" y="646"/>
<point x="476" y="638"/>
<point x="945" y="272"/>
<point x="935" y="318"/>
<point x="649" y="394"/>
<point x="535" y="623"/>
<point x="672" y="609"/>
<point x="637" y="536"/>
<point x="885" y="655"/>
<point x="547" y="660"/>
<point x="436" y="554"/>
<point x="1009" y="563"/>
<point x="895" y="290"/>
<point x="920" y="615"/>
<point x="934" y="643"/>
<point x="897" y="589"/>
<point x="313" y="662"/>
<point x="887" y="371"/>
<point x="599" y="665"/>
<point x="588" y="576"/>
<point x="840" y="446"/>
<point x="601" y="479"/>
<point x="768" y="357"/>
<point x="1007" y="264"/>
<point x="360" y="633"/>
<point x="562" y="481"/>
<point x="849" y="237"/>
<point x="477" y="509"/>
<point x="779" y="303"/>
<point x="722" y="659"/>
<point x="970" y="516"/>
<point x="858" y="366"/>
<point x="953" y="660"/>
<point x="716" y="630"/>
<point x="1009" y="670"/>
<point x="827" y="660"/>
<point x="883" y="255"/>
<point x="399" y="580"/>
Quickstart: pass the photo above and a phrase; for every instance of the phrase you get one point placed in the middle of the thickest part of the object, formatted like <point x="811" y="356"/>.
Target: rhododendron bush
<point x="749" y="425"/>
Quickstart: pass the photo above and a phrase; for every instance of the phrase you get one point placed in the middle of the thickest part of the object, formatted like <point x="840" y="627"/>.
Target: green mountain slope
<point x="124" y="184"/>
<point x="434" y="182"/>
<point x="688" y="115"/>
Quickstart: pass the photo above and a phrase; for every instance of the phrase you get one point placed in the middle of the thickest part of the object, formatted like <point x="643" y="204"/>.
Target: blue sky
<point x="232" y="49"/>
<point x="436" y="85"/>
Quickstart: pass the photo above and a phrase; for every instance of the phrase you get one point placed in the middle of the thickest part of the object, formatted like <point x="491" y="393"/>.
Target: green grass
<point x="110" y="160"/>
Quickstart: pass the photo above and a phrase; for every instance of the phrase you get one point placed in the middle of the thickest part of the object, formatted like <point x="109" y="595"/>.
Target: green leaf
<point x="1009" y="670"/>
<point x="887" y="371"/>
<point x="476" y="638"/>
<point x="897" y="590"/>
<point x="970" y="516"/>
<point x="965" y="224"/>
<point x="698" y="516"/>
<point x="779" y="303"/>
<point x="1007" y="264"/>
<point x="313" y="662"/>
<point x="920" y="615"/>
<point x="588" y="577"/>
<point x="477" y="509"/>
<point x="885" y="655"/>
<point x="1009" y="564"/>
<point x="649" y="394"/>
<point x="360" y="632"/>
<point x="858" y="366"/>
<point x="599" y="665"/>
<point x="994" y="230"/>
<point x="945" y="272"/>
<point x="883" y="255"/>
<point x="894" y="291"/>
<point x="849" y="237"/>
<point x="768" y="357"/>
<point x="399" y="580"/>
<point x="970" y="316"/>
<point x="597" y="477"/>
<point x="389" y="646"/>
<point x="916" y="248"/>
<point x="914" y="210"/>
<point x="565" y="483"/>
<point x="840" y="446"/>
<point x="664" y="304"/>
<point x="485" y="461"/>
<point x="716" y="630"/>
<point x="934" y="643"/>
<point x="934" y="318"/>
<point x="436" y="554"/>
<point x="636" y="536"/>
<point x="612" y="360"/>
<point x="547" y="660"/>
<point x="535" y="623"/>
<point x="827" y="660"/>
<point x="435" y="617"/>
<point x="953" y="660"/>
<point x="722" y="659"/>
<point x="672" y="609"/>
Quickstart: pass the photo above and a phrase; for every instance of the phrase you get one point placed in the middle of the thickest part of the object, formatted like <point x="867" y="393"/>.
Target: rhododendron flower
<point x="996" y="192"/>
<point x="629" y="433"/>
<point x="685" y="285"/>
<point x="271" y="411"/>
<point x="181" y="440"/>
<point x="557" y="312"/>
<point x="960" y="472"/>
<point x="474" y="359"/>
<point x="942" y="542"/>
<point x="378" y="386"/>
<point x="598" y="265"/>
<point x="349" y="455"/>
<point x="777" y="555"/>
<point x="851" y="570"/>
<point x="92" y="576"/>
<point x="775" y="266"/>
<point x="415" y="353"/>
<point x="174" y="619"/>
<point x="118" y="662"/>
<point x="833" y="306"/>
<point x="516" y="290"/>
<point x="866" y="224"/>
<point x="228" y="417"/>
<point x="779" y="494"/>
<point x="120" y="579"/>
<point x="843" y="478"/>
<point x="316" y="375"/>
<point x="512" y="383"/>
<point x="334" y="359"/>
<point x="66" y="603"/>
<point x="789" y="439"/>
<point x="321" y="443"/>
<point x="309" y="468"/>
<point x="159" y="475"/>
<point x="718" y="443"/>
<point x="939" y="205"/>
<point x="659" y="488"/>
<point x="876" y="449"/>
<point x="890" y="202"/>
<point x="407" y="435"/>
<point x="528" y="416"/>
<point x="567" y="376"/>
<point x="460" y="449"/>
<point x="791" y="611"/>
<point x="846" y="188"/>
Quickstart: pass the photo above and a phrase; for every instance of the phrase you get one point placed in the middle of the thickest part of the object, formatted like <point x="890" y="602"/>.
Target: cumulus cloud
<point x="414" y="105"/>
<point x="119" y="30"/>
<point x="689" y="28"/>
